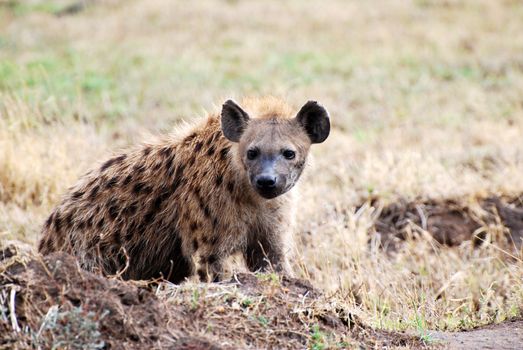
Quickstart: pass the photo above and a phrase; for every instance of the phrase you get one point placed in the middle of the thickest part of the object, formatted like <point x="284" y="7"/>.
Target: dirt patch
<point x="50" y="302"/>
<point x="451" y="222"/>
<point x="504" y="336"/>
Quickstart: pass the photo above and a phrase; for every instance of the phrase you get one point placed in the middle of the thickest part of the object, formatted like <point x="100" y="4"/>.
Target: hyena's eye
<point x="252" y="153"/>
<point x="289" y="154"/>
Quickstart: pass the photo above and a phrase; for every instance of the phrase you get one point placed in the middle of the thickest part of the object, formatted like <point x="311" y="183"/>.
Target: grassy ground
<point x="426" y="99"/>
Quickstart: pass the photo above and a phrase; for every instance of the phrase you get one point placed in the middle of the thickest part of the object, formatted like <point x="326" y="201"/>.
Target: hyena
<point x="181" y="205"/>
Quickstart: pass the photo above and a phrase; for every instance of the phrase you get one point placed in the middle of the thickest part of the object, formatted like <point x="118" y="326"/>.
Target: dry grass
<point x="426" y="98"/>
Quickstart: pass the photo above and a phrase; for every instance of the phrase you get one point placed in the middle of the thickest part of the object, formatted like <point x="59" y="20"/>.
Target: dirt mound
<point x="50" y="302"/>
<point x="265" y="311"/>
<point x="452" y="221"/>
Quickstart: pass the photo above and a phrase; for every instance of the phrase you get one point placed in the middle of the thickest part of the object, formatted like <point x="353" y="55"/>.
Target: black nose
<point x="265" y="182"/>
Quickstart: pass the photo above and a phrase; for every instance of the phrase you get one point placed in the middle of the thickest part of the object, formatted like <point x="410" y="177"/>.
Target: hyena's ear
<point x="315" y="120"/>
<point x="234" y="120"/>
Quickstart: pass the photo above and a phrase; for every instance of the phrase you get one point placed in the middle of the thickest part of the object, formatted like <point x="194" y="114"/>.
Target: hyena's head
<point x="273" y="148"/>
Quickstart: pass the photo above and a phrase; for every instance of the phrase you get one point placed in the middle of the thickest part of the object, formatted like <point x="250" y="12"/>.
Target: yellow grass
<point x="426" y="99"/>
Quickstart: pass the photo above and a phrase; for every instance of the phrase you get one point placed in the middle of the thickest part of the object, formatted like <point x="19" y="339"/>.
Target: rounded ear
<point x="315" y="120"/>
<point x="234" y="120"/>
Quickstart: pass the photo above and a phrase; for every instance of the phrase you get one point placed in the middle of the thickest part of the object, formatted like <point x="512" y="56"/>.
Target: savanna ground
<point x="411" y="213"/>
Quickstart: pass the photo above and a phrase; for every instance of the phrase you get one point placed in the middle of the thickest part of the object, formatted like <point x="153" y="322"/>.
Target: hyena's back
<point x="151" y="205"/>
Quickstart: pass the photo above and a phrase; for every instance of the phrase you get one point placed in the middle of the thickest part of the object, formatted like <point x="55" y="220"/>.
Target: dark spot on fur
<point x="146" y="150"/>
<point x="165" y="151"/>
<point x="198" y="195"/>
<point x="57" y="222"/>
<point x="113" y="210"/>
<point x="211" y="150"/>
<point x="89" y="222"/>
<point x="117" y="238"/>
<point x="178" y="178"/>
<point x="112" y="161"/>
<point x="211" y="259"/>
<point x="230" y="186"/>
<point x="157" y="166"/>
<point x="205" y="239"/>
<point x="179" y="170"/>
<point x="195" y="244"/>
<point x="192" y="160"/>
<point x="138" y="187"/>
<point x="202" y="275"/>
<point x="100" y="223"/>
<point x="174" y="186"/>
<point x="112" y="182"/>
<point x="190" y="137"/>
<point x="138" y="168"/>
<point x="131" y="209"/>
<point x="215" y="240"/>
<point x="224" y="152"/>
<point x="198" y="146"/>
<point x="77" y="195"/>
<point x="69" y="220"/>
<point x="219" y="180"/>
<point x="169" y="164"/>
<point x="204" y="207"/>
<point x="160" y="199"/>
<point x="194" y="226"/>
<point x="94" y="192"/>
<point x="49" y="221"/>
<point x="92" y="182"/>
<point x="214" y="137"/>
<point x="215" y="223"/>
<point x="127" y="180"/>
<point x="149" y="217"/>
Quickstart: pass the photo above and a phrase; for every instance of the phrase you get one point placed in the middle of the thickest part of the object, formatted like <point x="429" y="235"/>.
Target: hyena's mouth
<point x="270" y="193"/>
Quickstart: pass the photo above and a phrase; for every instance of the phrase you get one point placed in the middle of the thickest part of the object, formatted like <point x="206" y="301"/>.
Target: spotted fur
<point x="176" y="208"/>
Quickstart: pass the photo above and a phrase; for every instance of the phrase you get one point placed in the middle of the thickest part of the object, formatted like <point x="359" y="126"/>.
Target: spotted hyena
<point x="181" y="205"/>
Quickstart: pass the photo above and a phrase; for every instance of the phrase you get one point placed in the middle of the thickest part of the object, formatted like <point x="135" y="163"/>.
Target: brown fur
<point x="177" y="207"/>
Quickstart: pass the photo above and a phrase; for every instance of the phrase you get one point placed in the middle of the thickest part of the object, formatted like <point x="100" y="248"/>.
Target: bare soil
<point x="452" y="221"/>
<point x="504" y="336"/>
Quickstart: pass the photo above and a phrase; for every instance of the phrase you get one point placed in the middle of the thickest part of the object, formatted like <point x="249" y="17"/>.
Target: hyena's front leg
<point x="210" y="268"/>
<point x="265" y="251"/>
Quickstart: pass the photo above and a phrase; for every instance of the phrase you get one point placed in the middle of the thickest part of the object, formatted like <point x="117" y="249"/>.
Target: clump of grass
<point x="71" y="329"/>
